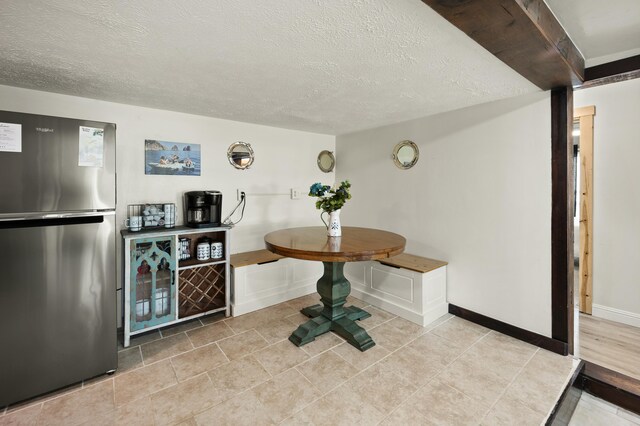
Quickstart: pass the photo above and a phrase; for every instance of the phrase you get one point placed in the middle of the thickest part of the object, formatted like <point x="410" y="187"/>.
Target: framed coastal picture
<point x="171" y="158"/>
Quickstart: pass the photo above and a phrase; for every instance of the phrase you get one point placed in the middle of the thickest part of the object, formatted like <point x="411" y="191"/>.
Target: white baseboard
<point x="617" y="315"/>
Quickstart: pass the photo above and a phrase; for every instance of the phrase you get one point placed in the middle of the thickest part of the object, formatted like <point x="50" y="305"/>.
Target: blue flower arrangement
<point x="330" y="199"/>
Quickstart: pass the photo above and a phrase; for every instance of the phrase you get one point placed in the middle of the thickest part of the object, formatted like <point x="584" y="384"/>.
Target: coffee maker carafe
<point x="203" y="208"/>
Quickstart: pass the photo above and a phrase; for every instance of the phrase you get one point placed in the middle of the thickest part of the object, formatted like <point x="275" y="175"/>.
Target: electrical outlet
<point x="239" y="191"/>
<point x="295" y="194"/>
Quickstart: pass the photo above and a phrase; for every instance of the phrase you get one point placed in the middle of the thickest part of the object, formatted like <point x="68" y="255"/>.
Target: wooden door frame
<point x="584" y="116"/>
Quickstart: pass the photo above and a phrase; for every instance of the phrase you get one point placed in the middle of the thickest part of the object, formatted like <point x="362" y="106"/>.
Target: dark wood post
<point x="562" y="195"/>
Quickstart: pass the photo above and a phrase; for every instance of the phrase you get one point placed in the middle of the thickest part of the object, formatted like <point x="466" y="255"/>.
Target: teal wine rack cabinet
<point x="162" y="287"/>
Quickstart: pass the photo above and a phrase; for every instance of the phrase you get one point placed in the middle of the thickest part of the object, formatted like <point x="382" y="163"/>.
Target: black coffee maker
<point x="203" y="208"/>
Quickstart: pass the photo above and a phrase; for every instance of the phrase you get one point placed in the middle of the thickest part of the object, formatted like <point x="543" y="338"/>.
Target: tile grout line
<point x="35" y="404"/>
<point x="378" y="362"/>
<point x="170" y="358"/>
<point x="148" y="364"/>
<point x="397" y="349"/>
<point x="335" y="387"/>
<point x="224" y="354"/>
<point x="187" y="336"/>
<point x="415" y="338"/>
<point x="271" y="376"/>
<point x="228" y="399"/>
<point x="39" y="413"/>
<point x="46" y="399"/>
<point x="215" y="342"/>
<point x="149" y="395"/>
<point x="166" y="387"/>
<point x="512" y="381"/>
<point x="326" y="350"/>
<point x="141" y="358"/>
<point x="193" y="348"/>
<point x="322" y="395"/>
<point x="265" y="339"/>
<point x="173" y="368"/>
<point x="176" y="384"/>
<point x="436" y="375"/>
<point x="239" y="393"/>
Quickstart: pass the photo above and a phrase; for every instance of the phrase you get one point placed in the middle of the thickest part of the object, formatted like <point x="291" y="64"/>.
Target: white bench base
<point x="417" y="297"/>
<point x="260" y="286"/>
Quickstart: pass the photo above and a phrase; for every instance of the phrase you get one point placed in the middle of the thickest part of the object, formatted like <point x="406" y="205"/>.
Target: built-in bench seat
<point x="261" y="278"/>
<point x="412" y="287"/>
<point x="256" y="257"/>
<point x="413" y="263"/>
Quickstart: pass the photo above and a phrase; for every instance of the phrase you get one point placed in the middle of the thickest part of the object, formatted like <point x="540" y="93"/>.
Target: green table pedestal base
<point x="333" y="288"/>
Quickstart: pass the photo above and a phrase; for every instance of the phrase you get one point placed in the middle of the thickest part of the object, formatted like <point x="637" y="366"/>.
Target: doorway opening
<point x="583" y="205"/>
<point x="605" y="334"/>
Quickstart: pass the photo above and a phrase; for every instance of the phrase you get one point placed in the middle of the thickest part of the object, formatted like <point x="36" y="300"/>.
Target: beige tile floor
<point x="243" y="370"/>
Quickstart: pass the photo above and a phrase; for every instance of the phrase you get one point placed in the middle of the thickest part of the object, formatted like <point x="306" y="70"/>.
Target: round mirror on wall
<point x="326" y="161"/>
<point x="405" y="155"/>
<point x="240" y="155"/>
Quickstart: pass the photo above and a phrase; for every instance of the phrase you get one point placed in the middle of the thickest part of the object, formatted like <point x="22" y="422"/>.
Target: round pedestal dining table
<point x="355" y="244"/>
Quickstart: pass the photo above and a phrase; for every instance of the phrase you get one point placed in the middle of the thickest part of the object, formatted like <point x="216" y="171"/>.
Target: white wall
<point x="616" y="202"/>
<point x="284" y="159"/>
<point x="479" y="197"/>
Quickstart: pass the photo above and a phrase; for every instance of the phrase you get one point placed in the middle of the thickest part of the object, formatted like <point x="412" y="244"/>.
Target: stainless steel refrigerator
<point x="57" y="253"/>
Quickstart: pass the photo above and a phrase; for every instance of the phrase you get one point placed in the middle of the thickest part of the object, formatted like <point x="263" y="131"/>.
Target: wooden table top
<point x="312" y="243"/>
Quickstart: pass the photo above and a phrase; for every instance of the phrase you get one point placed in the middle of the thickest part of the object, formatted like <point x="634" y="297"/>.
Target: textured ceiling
<point x="604" y="31"/>
<point x="324" y="66"/>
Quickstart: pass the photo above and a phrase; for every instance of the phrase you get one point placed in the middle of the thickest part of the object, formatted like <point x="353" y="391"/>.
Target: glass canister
<point x="184" y="252"/>
<point x="169" y="215"/>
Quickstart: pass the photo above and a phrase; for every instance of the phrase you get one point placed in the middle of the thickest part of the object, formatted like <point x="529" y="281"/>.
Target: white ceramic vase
<point x="334" y="229"/>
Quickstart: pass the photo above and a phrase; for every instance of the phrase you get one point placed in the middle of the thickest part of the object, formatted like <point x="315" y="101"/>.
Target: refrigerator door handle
<point x="34" y="220"/>
<point x="8" y="217"/>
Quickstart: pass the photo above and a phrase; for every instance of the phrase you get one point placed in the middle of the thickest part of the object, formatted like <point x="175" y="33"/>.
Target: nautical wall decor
<point x="171" y="158"/>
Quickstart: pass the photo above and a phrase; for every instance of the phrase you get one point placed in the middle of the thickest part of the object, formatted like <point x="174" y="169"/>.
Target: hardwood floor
<point x="610" y="344"/>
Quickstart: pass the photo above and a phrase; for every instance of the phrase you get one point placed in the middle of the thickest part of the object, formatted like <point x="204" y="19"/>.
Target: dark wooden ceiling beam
<point x="524" y="34"/>
<point x="612" y="72"/>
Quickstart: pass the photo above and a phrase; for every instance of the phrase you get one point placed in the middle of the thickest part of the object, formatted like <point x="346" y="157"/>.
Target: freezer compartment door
<point x="46" y="175"/>
<point x="57" y="303"/>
